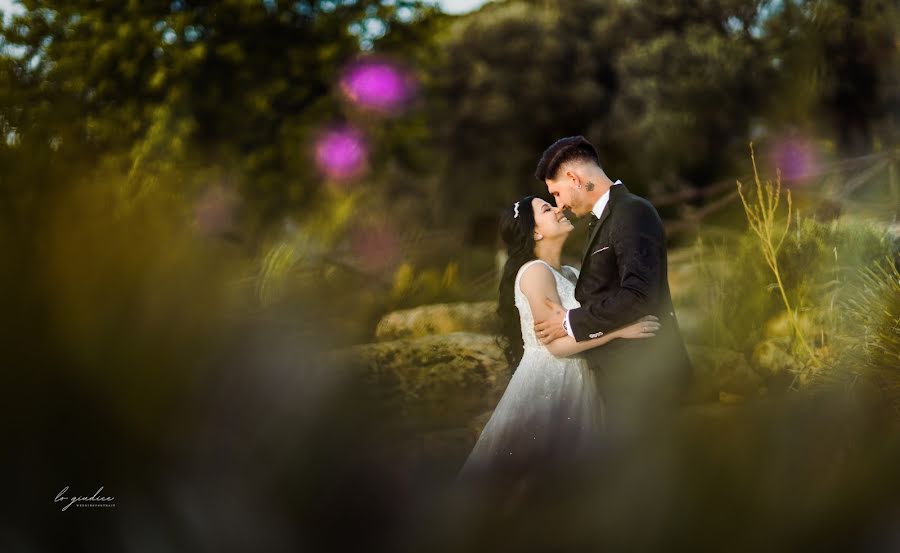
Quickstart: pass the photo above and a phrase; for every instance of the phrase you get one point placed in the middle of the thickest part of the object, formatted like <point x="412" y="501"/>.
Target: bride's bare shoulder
<point x="536" y="276"/>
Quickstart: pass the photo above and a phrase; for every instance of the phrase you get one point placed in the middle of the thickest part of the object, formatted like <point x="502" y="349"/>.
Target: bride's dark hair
<point x="518" y="235"/>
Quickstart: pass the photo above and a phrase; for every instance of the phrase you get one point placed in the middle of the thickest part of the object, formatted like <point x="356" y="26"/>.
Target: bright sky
<point x="449" y="6"/>
<point x="6" y="7"/>
<point x="454" y="6"/>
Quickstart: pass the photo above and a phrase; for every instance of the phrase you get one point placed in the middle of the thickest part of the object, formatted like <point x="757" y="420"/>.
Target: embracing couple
<point x="597" y="354"/>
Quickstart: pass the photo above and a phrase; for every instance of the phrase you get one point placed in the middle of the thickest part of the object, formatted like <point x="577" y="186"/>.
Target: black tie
<point x="593" y="222"/>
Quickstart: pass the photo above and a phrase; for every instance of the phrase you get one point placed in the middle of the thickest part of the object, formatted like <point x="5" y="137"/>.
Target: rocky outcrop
<point x="437" y="372"/>
<point x="432" y="382"/>
<point x="771" y="357"/>
<point x="809" y="323"/>
<point x="443" y="318"/>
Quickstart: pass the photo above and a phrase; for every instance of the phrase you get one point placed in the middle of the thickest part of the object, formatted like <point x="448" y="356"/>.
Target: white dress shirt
<point x="597" y="211"/>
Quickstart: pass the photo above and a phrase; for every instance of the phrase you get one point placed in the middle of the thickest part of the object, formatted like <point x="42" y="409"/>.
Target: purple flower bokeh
<point x="342" y="153"/>
<point x="795" y="158"/>
<point x="377" y="85"/>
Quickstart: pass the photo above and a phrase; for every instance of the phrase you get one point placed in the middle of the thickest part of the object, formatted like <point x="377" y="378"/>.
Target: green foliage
<point x="843" y="303"/>
<point x="172" y="93"/>
<point x="303" y="252"/>
<point x="838" y="59"/>
<point x="168" y="92"/>
<point x="871" y="334"/>
<point x="819" y="264"/>
<point x="412" y="288"/>
<point x="683" y="62"/>
<point x="506" y="82"/>
<point x="761" y="214"/>
<point x="161" y="100"/>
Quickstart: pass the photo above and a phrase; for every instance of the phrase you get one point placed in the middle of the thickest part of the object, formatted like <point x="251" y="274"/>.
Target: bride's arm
<point x="538" y="283"/>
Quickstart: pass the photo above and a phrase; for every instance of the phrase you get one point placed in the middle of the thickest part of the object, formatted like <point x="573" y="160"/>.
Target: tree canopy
<point x="168" y="97"/>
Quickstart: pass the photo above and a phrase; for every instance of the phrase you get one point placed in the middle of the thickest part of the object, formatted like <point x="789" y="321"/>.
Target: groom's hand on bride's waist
<point x="551" y="328"/>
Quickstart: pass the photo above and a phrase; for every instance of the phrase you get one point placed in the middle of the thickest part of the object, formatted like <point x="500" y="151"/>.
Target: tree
<point x="843" y="57"/>
<point x="692" y="77"/>
<point x="512" y="78"/>
<point x="175" y="94"/>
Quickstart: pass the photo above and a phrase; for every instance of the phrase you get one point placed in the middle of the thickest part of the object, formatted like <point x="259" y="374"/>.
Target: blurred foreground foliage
<point x="841" y="278"/>
<point x="871" y="345"/>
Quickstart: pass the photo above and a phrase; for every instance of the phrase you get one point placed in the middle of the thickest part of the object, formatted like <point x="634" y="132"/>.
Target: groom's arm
<point x="639" y="244"/>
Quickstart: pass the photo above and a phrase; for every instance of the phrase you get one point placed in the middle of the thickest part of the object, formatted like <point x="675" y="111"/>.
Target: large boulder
<point x="809" y="322"/>
<point x="722" y="373"/>
<point x="431" y="382"/>
<point x="771" y="357"/>
<point x="443" y="318"/>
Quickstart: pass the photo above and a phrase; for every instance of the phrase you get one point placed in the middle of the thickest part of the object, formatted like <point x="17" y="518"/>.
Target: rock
<point x="431" y="382"/>
<point x="771" y="357"/>
<point x="779" y="326"/>
<point x="721" y="370"/>
<point x="442" y="318"/>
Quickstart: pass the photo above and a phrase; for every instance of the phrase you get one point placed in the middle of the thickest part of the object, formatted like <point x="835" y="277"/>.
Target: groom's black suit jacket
<point x="623" y="278"/>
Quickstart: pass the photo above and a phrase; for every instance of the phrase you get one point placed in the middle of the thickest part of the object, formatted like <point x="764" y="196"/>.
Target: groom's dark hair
<point x="562" y="151"/>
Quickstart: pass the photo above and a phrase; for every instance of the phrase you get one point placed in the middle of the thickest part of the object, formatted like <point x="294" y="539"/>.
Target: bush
<point x="840" y="285"/>
<point x="871" y="333"/>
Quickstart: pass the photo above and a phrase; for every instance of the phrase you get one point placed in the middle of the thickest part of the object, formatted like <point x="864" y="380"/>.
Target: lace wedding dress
<point x="549" y="414"/>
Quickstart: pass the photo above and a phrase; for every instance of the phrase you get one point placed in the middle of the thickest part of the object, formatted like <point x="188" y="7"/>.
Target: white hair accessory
<point x="516" y="209"/>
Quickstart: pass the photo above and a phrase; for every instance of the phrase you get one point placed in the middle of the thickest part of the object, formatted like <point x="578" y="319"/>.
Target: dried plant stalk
<point x="762" y="216"/>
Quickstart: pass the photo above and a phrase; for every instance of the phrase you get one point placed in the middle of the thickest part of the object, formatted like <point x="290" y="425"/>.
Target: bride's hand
<point x="645" y="327"/>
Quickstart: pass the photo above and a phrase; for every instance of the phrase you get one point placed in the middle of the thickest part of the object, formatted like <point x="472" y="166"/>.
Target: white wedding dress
<point x="549" y="413"/>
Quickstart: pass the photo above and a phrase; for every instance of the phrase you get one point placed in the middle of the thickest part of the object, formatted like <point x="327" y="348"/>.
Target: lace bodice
<point x="565" y="286"/>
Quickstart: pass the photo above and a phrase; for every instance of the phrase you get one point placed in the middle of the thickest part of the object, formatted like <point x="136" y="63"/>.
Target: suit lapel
<point x="603" y="217"/>
<point x="590" y="240"/>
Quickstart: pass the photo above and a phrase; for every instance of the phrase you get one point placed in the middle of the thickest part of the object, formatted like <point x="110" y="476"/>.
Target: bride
<point x="549" y="414"/>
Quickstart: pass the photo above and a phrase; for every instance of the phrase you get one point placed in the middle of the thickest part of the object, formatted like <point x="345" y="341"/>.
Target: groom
<point x="623" y="278"/>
